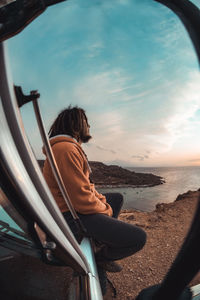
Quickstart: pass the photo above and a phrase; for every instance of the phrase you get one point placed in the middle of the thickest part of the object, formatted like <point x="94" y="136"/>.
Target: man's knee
<point x="138" y="238"/>
<point x="115" y="199"/>
<point x="142" y="239"/>
<point x="119" y="197"/>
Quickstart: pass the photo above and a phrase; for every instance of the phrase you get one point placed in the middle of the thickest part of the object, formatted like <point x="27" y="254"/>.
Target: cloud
<point x="100" y="87"/>
<point x="136" y="79"/>
<point x="195" y="160"/>
<point x="140" y="157"/>
<point x="164" y="115"/>
<point x="186" y="103"/>
<point x="104" y="149"/>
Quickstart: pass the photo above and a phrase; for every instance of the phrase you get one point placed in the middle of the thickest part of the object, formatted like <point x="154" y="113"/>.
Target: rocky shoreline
<point x="114" y="176"/>
<point x="166" y="229"/>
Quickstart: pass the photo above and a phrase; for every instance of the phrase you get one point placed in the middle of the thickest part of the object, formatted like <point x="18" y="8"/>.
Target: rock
<point x="188" y="194"/>
<point x="114" y="175"/>
<point x="160" y="207"/>
<point x="131" y="217"/>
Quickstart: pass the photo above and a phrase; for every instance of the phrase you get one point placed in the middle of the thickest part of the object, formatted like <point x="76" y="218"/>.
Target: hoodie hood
<point x="62" y="138"/>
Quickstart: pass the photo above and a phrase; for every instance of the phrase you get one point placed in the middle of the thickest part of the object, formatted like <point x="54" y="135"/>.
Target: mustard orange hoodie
<point x="73" y="167"/>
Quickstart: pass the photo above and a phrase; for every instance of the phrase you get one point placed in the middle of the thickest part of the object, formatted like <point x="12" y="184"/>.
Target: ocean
<point x="178" y="180"/>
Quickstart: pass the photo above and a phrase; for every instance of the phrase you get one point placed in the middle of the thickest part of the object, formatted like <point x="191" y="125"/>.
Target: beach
<point x="166" y="228"/>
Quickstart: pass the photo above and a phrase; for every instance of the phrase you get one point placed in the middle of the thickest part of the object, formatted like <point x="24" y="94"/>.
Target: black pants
<point x="120" y="239"/>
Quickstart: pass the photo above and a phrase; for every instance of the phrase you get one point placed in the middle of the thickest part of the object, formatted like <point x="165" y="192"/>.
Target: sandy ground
<point x="166" y="229"/>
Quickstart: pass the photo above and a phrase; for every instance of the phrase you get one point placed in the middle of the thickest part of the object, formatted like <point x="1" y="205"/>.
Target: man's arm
<point x="84" y="198"/>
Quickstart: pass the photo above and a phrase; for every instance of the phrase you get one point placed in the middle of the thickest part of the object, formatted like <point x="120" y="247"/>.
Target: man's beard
<point x="85" y="138"/>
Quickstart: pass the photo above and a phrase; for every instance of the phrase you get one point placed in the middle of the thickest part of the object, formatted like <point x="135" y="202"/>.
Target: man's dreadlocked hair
<point x="71" y="121"/>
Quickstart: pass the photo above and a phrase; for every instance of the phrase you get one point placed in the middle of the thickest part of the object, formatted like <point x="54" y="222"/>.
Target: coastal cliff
<point x="166" y="229"/>
<point x="103" y="175"/>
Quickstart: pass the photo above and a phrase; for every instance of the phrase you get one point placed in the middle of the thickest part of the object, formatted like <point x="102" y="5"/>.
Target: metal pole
<point x="54" y="166"/>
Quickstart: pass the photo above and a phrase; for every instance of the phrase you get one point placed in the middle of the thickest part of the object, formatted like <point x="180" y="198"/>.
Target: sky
<point x="130" y="64"/>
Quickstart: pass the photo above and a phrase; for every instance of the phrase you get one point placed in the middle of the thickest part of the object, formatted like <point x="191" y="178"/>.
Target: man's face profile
<point x="85" y="133"/>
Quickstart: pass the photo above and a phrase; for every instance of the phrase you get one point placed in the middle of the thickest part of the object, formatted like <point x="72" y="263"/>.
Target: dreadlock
<point x="71" y="121"/>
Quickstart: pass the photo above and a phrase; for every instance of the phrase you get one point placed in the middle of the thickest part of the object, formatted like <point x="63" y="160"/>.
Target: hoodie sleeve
<point x="97" y="194"/>
<point x="84" y="197"/>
